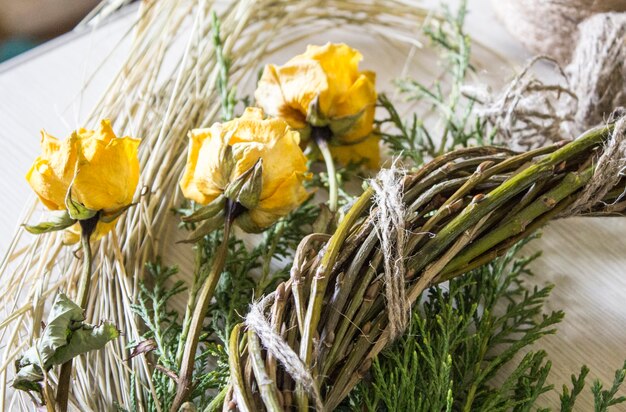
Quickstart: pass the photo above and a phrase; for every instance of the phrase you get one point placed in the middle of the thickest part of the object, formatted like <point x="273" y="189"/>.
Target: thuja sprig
<point x="407" y="140"/>
<point x="451" y="111"/>
<point x="228" y="94"/>
<point x="568" y="396"/>
<point x="460" y="339"/>
<point x="153" y="307"/>
<point x="603" y="399"/>
<point x="162" y="330"/>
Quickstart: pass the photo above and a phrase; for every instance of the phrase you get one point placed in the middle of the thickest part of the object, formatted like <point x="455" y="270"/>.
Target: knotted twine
<point x="275" y="345"/>
<point x="609" y="170"/>
<point x="530" y="112"/>
<point x="550" y="26"/>
<point x="389" y="217"/>
<point x="389" y="221"/>
<point x="597" y="70"/>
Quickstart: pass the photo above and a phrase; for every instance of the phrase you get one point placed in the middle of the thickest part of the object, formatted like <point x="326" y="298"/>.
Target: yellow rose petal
<point x="247" y="140"/>
<point x="288" y="91"/>
<point x="203" y="179"/>
<point x="52" y="172"/>
<point x="102" y="170"/>
<point x="107" y="172"/>
<point x="367" y="150"/>
<point x="340" y="64"/>
<point x="323" y="87"/>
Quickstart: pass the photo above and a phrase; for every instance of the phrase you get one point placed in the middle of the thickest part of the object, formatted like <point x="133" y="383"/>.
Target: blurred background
<point x="26" y="23"/>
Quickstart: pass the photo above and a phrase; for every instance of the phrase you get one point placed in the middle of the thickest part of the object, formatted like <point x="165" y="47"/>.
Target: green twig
<point x="185" y="377"/>
<point x="267" y="387"/>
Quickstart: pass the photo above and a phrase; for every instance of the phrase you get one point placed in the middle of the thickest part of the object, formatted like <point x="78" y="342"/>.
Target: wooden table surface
<point x="584" y="257"/>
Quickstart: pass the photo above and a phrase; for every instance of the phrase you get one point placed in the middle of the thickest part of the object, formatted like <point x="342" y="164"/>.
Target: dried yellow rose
<point x="254" y="162"/>
<point x="93" y="170"/>
<point x="324" y="89"/>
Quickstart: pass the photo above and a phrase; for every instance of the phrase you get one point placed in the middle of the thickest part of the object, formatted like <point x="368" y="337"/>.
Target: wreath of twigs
<point x="310" y="341"/>
<point x="316" y="336"/>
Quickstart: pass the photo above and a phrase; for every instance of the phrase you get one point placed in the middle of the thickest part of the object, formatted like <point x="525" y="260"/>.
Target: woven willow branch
<point x="463" y="209"/>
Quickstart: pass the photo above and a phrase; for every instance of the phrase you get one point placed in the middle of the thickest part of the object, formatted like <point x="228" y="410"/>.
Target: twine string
<point x="275" y="345"/>
<point x="610" y="168"/>
<point x="597" y="70"/>
<point x="530" y="112"/>
<point x="389" y="219"/>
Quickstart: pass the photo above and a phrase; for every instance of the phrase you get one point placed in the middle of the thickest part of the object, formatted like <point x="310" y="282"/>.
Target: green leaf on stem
<point x="64" y="338"/>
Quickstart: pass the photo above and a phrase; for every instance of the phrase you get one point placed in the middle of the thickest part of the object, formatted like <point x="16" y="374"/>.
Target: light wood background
<point x="585" y="258"/>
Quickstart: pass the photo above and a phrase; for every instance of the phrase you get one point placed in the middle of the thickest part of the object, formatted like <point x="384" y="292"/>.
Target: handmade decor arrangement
<point x="382" y="297"/>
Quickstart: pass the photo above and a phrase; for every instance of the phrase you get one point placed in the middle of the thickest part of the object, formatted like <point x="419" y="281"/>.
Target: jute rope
<point x="550" y="27"/>
<point x="530" y="112"/>
<point x="280" y="349"/>
<point x="609" y="170"/>
<point x="389" y="219"/>
<point x="597" y="72"/>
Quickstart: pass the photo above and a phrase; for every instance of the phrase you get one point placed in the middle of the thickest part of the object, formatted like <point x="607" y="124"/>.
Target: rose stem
<point x="203" y="299"/>
<point x="191" y="302"/>
<point x="87" y="228"/>
<point x="321" y="135"/>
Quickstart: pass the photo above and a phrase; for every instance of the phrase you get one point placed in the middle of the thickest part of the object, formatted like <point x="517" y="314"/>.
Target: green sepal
<point x="247" y="225"/>
<point x="206" y="212"/>
<point x="76" y="209"/>
<point x="342" y="125"/>
<point x="65" y="337"/>
<point x="110" y="217"/>
<point x="205" y="227"/>
<point x="338" y="126"/>
<point x="246" y="189"/>
<point x="305" y="136"/>
<point x="60" y="220"/>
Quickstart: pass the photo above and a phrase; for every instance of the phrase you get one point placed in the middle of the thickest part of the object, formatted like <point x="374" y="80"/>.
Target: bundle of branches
<point x="314" y="338"/>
